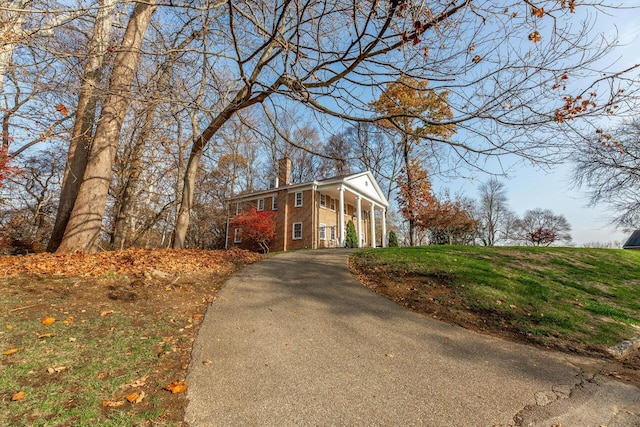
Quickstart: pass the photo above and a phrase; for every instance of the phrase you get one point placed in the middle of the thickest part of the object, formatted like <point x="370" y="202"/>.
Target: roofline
<point x="315" y="184"/>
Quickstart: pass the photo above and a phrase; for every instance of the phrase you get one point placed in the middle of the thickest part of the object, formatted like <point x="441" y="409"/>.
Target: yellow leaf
<point x="106" y="312"/>
<point x="47" y="335"/>
<point x="48" y="321"/>
<point x="176" y="387"/>
<point x="18" y="396"/>
<point x="10" y="351"/>
<point x="135" y="397"/>
<point x="9" y="327"/>
<point x="112" y="403"/>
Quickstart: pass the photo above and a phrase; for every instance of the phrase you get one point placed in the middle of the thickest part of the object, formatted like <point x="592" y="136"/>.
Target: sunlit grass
<point x="589" y="296"/>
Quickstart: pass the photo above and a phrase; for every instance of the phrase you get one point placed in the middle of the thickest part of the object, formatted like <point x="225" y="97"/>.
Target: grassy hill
<point x="574" y="298"/>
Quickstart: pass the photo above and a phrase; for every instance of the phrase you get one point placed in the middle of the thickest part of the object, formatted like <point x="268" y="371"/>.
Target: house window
<point x="332" y="204"/>
<point x="238" y="208"/>
<point x="297" y="231"/>
<point x="260" y="204"/>
<point x="323" y="201"/>
<point x="237" y="235"/>
<point x="274" y="203"/>
<point x="298" y="202"/>
<point x="333" y="232"/>
<point x="323" y="231"/>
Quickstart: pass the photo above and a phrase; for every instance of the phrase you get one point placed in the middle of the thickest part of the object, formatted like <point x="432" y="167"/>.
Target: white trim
<point x="295" y="199"/>
<point x="384" y="228"/>
<point x="293" y="231"/>
<point x="359" y="218"/>
<point x="373" y="225"/>
<point x="341" y="215"/>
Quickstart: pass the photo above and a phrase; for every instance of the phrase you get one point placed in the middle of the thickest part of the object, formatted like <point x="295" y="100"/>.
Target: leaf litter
<point x="154" y="298"/>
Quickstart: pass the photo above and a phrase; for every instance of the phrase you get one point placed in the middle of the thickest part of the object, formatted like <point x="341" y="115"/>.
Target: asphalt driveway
<point x="296" y="340"/>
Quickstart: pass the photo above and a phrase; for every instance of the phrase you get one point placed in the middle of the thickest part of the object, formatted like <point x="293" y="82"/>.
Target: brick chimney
<point x="284" y="172"/>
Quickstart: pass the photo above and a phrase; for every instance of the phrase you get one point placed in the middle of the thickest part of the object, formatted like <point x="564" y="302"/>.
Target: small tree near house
<point x="352" y="237"/>
<point x="393" y="239"/>
<point x="259" y="226"/>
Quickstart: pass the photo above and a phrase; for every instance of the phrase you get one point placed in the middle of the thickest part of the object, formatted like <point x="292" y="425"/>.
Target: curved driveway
<point x="295" y="340"/>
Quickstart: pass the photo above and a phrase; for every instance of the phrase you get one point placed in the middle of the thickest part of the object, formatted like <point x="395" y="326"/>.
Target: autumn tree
<point x="414" y="196"/>
<point x="609" y="167"/>
<point x="448" y="221"/>
<point x="409" y="104"/>
<point x="255" y="225"/>
<point x="541" y="227"/>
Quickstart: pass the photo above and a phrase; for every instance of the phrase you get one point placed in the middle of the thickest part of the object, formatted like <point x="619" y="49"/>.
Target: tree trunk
<point x="85" y="222"/>
<point x="78" y="152"/>
<point x="132" y="181"/>
<point x="182" y="221"/>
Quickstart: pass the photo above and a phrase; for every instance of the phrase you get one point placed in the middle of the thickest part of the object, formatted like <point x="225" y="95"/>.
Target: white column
<point x="359" y="219"/>
<point x="341" y="237"/>
<point x="372" y="214"/>
<point x="384" y="228"/>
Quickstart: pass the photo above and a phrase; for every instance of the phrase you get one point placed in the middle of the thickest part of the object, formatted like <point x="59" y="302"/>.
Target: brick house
<point x="315" y="214"/>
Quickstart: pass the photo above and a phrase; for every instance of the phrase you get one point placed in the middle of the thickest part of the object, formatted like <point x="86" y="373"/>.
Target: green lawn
<point x="586" y="296"/>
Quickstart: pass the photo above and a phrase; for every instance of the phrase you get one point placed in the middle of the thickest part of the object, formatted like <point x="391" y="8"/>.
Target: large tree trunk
<point x="78" y="152"/>
<point x="121" y="238"/>
<point x="83" y="229"/>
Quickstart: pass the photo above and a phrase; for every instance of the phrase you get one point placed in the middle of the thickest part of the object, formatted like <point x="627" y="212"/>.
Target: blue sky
<point x="530" y="187"/>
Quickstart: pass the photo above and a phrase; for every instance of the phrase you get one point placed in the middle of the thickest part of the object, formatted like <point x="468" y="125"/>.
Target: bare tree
<point x="492" y="213"/>
<point x="86" y="108"/>
<point x="541" y="227"/>
<point x="609" y="166"/>
<point x="85" y="221"/>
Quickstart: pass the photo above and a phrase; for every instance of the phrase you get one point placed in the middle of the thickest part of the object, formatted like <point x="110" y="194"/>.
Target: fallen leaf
<point x="10" y="351"/>
<point x="72" y="339"/>
<point x="511" y="306"/>
<point x="112" y="403"/>
<point x="68" y="320"/>
<point x="389" y="355"/>
<point x="48" y="321"/>
<point x="9" y="327"/>
<point x="176" y="387"/>
<point x="56" y="369"/>
<point x="137" y="383"/>
<point x="102" y="376"/>
<point x="47" y="335"/>
<point x="135" y="397"/>
<point x="18" y="396"/>
<point x="206" y="362"/>
<point x="106" y="312"/>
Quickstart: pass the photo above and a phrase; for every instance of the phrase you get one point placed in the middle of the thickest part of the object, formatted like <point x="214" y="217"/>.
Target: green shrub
<point x="393" y="239"/>
<point x="352" y="237"/>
